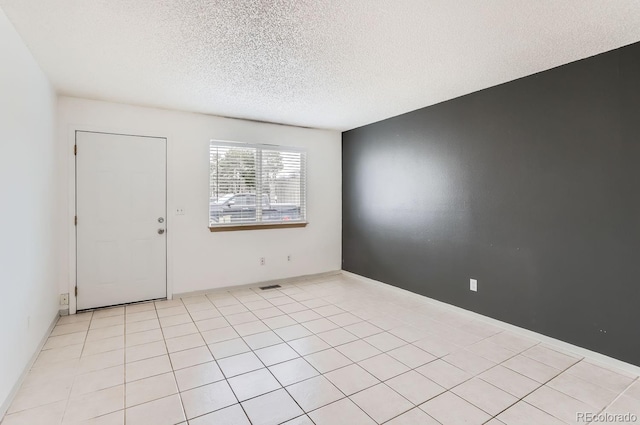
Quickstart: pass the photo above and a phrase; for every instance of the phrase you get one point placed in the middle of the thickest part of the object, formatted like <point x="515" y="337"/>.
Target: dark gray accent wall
<point x="532" y="187"/>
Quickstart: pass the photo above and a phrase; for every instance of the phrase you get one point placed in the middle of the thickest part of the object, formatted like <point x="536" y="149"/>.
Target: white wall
<point x="197" y="258"/>
<point x="28" y="266"/>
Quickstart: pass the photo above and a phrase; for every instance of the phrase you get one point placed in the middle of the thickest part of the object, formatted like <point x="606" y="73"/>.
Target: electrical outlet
<point x="288" y="257"/>
<point x="64" y="299"/>
<point x="473" y="285"/>
<point x="262" y="261"/>
<point x="179" y="211"/>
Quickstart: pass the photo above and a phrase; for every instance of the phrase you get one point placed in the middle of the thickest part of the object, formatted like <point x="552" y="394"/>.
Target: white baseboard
<point x="559" y="344"/>
<point x="12" y="394"/>
<point x="256" y="284"/>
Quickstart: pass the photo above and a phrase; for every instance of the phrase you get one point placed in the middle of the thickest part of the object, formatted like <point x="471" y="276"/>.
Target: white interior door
<point x="121" y="212"/>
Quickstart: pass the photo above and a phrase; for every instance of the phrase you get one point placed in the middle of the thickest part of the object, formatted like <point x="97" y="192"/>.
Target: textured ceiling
<point x="335" y="64"/>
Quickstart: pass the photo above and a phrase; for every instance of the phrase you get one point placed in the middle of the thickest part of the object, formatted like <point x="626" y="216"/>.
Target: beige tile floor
<point x="325" y="351"/>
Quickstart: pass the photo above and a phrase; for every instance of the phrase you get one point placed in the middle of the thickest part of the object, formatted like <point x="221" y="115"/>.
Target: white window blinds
<point x="256" y="184"/>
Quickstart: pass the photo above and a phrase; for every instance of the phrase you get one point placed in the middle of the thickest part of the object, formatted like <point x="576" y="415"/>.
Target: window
<point x="239" y="172"/>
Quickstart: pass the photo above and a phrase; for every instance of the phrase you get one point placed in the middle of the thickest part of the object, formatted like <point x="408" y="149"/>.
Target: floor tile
<point x="383" y="366"/>
<point x="198" y="375"/>
<point x="557" y="404"/>
<point x="276" y="354"/>
<point x="205" y="314"/>
<point x="36" y="396"/>
<point x="179" y="330"/>
<point x="308" y="345"/>
<point x="149" y="389"/>
<point x="437" y="346"/>
<point x="509" y="381"/>
<point x="97" y="380"/>
<point x="145" y="325"/>
<point x="634" y="390"/>
<point x="272" y="408"/>
<point x="65" y="340"/>
<point x="443" y="373"/>
<point x="550" y="357"/>
<point x="411" y="356"/>
<point x="600" y="375"/>
<point x="165" y="411"/>
<point x="594" y="395"/>
<point x="108" y="332"/>
<point x="491" y="351"/>
<point x="450" y="409"/>
<point x="144" y="337"/>
<point x="191" y="357"/>
<point x="363" y="329"/>
<point x="328" y="310"/>
<point x="145" y="351"/>
<point x="262" y="339"/>
<point x="327" y="360"/>
<point x="525" y="414"/>
<point x="184" y="342"/>
<point x="208" y="398"/>
<point x="625" y="405"/>
<point x="179" y="319"/>
<point x="228" y="348"/>
<point x="278" y="322"/>
<point x="253" y="384"/>
<point x="512" y="341"/>
<point x="413" y="417"/>
<point x="251" y="328"/>
<point x="50" y="414"/>
<point x="305" y="316"/>
<point x="293" y="371"/>
<point x="95" y="404"/>
<point x="531" y="368"/>
<point x="337" y="337"/>
<point x="381" y="403"/>
<point x="345" y="319"/>
<point x="342" y="412"/>
<point x="219" y="335"/>
<point x="103" y="345"/>
<point x="385" y="341"/>
<point x="408" y="333"/>
<point x="266" y="313"/>
<point x="320" y="325"/>
<point x="114" y="418"/>
<point x="314" y="393"/>
<point x="385" y="357"/>
<point x="415" y="387"/>
<point x="351" y="379"/>
<point x="240" y="363"/>
<point x="485" y="396"/>
<point x="468" y="362"/>
<point x="240" y="318"/>
<point x="232" y="415"/>
<point x="289" y="333"/>
<point x="147" y="367"/>
<point x="101" y="361"/>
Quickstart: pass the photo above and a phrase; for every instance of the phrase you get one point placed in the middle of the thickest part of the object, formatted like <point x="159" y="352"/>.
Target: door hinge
<point x="75" y="220"/>
<point x="76" y="291"/>
<point x="75" y="149"/>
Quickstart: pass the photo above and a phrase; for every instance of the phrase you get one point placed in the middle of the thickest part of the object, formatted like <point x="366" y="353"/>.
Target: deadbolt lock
<point x="160" y="219"/>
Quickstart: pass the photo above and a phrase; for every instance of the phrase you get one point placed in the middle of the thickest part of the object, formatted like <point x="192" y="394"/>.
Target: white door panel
<point x="120" y="195"/>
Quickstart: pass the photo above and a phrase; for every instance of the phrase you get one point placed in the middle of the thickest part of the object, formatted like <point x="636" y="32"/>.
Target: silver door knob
<point x="160" y="231"/>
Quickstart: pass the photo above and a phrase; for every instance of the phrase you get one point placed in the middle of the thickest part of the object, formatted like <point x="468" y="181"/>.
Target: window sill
<point x="230" y="228"/>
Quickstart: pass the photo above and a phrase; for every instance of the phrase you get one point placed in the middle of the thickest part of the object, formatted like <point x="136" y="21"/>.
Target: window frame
<point x="262" y="225"/>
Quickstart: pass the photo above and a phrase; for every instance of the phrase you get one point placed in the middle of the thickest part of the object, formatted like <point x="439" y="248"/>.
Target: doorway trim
<point x="71" y="134"/>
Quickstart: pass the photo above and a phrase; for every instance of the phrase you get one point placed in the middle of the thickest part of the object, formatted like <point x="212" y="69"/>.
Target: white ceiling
<point x="335" y="64"/>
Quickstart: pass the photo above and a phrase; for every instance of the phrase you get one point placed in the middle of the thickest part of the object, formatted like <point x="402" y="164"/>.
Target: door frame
<point x="73" y="130"/>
